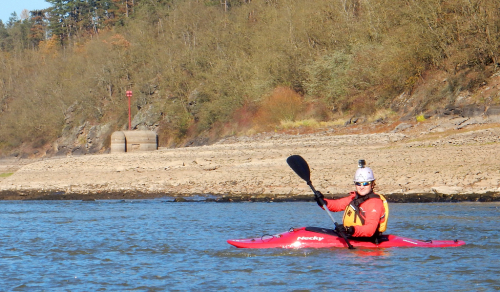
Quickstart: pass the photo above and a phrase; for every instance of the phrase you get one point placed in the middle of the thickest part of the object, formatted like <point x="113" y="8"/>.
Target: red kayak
<point x="314" y="237"/>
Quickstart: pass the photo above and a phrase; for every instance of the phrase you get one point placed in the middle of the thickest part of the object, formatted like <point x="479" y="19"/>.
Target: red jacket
<point x="371" y="211"/>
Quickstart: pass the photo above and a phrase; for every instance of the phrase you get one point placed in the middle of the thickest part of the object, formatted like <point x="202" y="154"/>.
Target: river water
<point x="158" y="245"/>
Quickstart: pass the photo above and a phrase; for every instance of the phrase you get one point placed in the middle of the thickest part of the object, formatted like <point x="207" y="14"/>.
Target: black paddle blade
<point x="300" y="166"/>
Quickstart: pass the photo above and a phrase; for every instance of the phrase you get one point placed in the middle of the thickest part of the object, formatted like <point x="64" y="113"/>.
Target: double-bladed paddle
<point x="301" y="168"/>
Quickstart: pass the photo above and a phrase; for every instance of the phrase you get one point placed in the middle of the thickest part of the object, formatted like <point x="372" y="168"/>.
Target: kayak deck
<point x="315" y="237"/>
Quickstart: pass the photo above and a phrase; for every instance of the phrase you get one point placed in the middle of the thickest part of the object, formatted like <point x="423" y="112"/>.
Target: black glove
<point x="319" y="198"/>
<point x="349" y="230"/>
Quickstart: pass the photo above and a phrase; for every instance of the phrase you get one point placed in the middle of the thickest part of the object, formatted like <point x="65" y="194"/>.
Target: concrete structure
<point x="133" y="141"/>
<point x="118" y="142"/>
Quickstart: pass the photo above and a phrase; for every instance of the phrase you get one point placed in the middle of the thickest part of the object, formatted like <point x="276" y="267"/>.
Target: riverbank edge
<point x="44" y="195"/>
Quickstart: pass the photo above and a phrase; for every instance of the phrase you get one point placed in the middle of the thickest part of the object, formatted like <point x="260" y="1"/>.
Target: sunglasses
<point x="365" y="183"/>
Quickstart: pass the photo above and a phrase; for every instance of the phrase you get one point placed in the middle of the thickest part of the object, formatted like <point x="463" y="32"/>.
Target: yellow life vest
<point x="352" y="217"/>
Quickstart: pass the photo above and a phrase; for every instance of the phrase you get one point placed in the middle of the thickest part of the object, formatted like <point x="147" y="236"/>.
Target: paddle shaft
<point x="342" y="234"/>
<point x="301" y="168"/>
<point x="324" y="203"/>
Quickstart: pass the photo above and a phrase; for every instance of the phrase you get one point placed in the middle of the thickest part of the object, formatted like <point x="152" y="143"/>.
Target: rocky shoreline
<point x="441" y="160"/>
<point x="393" y="198"/>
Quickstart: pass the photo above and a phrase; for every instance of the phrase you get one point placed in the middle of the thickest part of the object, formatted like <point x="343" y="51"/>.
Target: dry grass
<point x="310" y="123"/>
<point x="284" y="104"/>
<point x="382" y="114"/>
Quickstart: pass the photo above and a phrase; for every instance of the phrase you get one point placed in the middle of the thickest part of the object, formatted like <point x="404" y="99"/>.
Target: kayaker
<point x="365" y="213"/>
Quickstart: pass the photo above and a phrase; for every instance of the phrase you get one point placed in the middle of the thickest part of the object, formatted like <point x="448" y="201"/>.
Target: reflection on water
<point x="155" y="245"/>
<point x="372" y="252"/>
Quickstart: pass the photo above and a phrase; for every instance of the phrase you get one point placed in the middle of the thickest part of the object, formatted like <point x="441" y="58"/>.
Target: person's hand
<point x="319" y="198"/>
<point x="349" y="230"/>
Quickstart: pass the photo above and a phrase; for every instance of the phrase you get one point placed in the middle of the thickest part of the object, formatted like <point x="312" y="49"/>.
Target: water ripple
<point x="149" y="245"/>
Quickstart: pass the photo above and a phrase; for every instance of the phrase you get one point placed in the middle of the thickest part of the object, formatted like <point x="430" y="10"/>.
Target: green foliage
<point x="420" y="118"/>
<point x="328" y="76"/>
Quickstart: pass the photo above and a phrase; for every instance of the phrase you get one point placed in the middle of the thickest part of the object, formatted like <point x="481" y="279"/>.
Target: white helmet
<point x="363" y="173"/>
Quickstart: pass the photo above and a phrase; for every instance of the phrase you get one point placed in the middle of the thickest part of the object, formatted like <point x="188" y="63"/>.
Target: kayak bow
<point x="314" y="237"/>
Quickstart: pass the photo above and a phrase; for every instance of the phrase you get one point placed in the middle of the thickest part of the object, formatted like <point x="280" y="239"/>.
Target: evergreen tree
<point x="57" y="19"/>
<point x="38" y="28"/>
<point x="17" y="33"/>
<point x="13" y="19"/>
<point x="4" y="34"/>
<point x="73" y="18"/>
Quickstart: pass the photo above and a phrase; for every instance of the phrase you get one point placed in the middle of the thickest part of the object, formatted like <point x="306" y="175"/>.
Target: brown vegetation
<point x="208" y="69"/>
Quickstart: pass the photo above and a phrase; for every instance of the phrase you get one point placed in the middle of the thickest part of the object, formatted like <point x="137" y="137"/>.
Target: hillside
<point x="200" y="71"/>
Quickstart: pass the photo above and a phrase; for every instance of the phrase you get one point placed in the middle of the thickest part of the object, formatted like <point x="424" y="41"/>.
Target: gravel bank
<point x="442" y="160"/>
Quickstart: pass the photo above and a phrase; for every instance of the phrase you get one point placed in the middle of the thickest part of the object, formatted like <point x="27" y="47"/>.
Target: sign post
<point x="129" y="95"/>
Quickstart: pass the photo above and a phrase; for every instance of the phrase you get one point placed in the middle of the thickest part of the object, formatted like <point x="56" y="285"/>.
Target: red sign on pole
<point x="129" y="95"/>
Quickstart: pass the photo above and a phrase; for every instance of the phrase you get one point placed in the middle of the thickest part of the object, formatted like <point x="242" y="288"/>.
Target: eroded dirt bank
<point x="443" y="160"/>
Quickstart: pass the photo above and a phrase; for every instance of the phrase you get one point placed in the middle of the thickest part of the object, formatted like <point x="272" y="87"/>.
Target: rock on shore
<point x="443" y="160"/>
